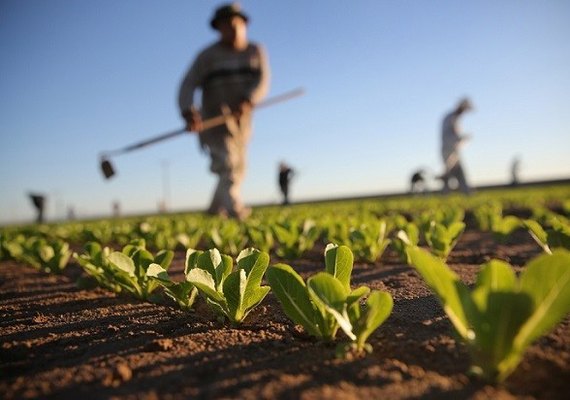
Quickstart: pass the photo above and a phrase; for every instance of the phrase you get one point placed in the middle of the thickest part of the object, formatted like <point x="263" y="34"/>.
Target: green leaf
<point x="46" y="253"/>
<point x="204" y="282"/>
<point x="455" y="230"/>
<point x="191" y="259"/>
<point x="338" y="263"/>
<point x="328" y="293"/>
<point x="253" y="297"/>
<point x="142" y="258"/>
<point x="157" y="272"/>
<point x="164" y="258"/>
<point x="357" y="294"/>
<point x="291" y="292"/>
<point x="547" y="280"/>
<point x="218" y="265"/>
<point x="255" y="264"/>
<point x="352" y="302"/>
<point x="183" y="293"/>
<point x="122" y="262"/>
<point x="378" y="307"/>
<point x="234" y="289"/>
<point x="495" y="276"/>
<point x="495" y="328"/>
<point x="446" y="285"/>
<point x="538" y="234"/>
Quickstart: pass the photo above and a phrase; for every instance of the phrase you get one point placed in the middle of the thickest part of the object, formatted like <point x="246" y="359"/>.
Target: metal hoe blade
<point x="107" y="168"/>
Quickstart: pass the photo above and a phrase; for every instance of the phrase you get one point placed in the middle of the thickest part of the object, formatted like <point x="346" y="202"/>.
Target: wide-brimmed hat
<point x="227" y="11"/>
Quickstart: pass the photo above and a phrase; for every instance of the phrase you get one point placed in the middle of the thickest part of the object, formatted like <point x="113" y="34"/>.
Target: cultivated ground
<point x="59" y="342"/>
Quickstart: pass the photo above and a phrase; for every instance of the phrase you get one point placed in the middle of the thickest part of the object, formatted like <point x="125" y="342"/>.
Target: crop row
<point x="291" y="237"/>
<point x="497" y="318"/>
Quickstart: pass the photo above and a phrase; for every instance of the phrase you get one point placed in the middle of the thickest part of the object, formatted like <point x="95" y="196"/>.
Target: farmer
<point x="452" y="140"/>
<point x="515" y="168"/>
<point x="232" y="74"/>
<point x="285" y="175"/>
<point x="418" y="181"/>
<point x="38" y="200"/>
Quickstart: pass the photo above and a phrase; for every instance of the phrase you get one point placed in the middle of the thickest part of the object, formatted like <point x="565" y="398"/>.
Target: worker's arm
<point x="261" y="87"/>
<point x="188" y="87"/>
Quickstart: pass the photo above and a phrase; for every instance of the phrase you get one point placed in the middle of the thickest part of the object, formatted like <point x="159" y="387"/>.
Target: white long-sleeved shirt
<point x="451" y="139"/>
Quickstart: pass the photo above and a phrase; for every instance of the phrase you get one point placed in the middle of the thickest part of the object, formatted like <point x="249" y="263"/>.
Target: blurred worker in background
<point x="233" y="74"/>
<point x="452" y="139"/>
<point x="515" y="170"/>
<point x="39" y="201"/>
<point x="418" y="181"/>
<point x="285" y="175"/>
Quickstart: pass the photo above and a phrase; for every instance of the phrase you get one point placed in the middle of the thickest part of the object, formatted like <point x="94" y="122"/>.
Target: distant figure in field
<point x="38" y="201"/>
<point x="233" y="76"/>
<point x="116" y="206"/>
<point x="285" y="175"/>
<point x="452" y="139"/>
<point x="70" y="213"/>
<point x="515" y="169"/>
<point x="418" y="182"/>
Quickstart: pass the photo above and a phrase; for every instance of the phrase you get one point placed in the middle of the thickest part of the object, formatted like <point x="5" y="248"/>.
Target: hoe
<point x="225" y="118"/>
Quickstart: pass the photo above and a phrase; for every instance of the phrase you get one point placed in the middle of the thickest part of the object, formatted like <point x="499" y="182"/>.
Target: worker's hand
<point x="244" y="107"/>
<point x="193" y="120"/>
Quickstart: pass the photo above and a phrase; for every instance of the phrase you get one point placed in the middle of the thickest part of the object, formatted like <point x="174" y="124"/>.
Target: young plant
<point x="293" y="240"/>
<point x="95" y="263"/>
<point x="370" y="240"/>
<point x="443" y="216"/>
<point x="11" y="247"/>
<point x="228" y="237"/>
<point x="326" y="302"/>
<point x="46" y="255"/>
<point x="503" y="227"/>
<point x="231" y="294"/>
<point x="260" y="237"/>
<point x="409" y="234"/>
<point x="128" y="268"/>
<point x="486" y="214"/>
<point x="442" y="239"/>
<point x="502" y="315"/>
<point x="490" y="218"/>
<point x="183" y="293"/>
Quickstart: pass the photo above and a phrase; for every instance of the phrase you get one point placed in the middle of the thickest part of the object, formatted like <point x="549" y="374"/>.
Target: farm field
<point x="62" y="340"/>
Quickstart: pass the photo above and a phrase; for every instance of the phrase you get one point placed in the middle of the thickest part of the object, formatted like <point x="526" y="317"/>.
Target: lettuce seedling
<point x="490" y="218"/>
<point x="128" y="268"/>
<point x="409" y="234"/>
<point x="503" y="227"/>
<point x="444" y="216"/>
<point x="95" y="263"/>
<point x="502" y="315"/>
<point x="442" y="239"/>
<point x="370" y="240"/>
<point x="46" y="255"/>
<point x="228" y="237"/>
<point x="183" y="293"/>
<point x="326" y="302"/>
<point x="485" y="214"/>
<point x="293" y="240"/>
<point x="260" y="237"/>
<point x="231" y="294"/>
<point x="11" y="247"/>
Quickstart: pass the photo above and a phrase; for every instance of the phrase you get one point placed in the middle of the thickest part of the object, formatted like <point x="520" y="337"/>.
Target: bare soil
<point x="60" y="342"/>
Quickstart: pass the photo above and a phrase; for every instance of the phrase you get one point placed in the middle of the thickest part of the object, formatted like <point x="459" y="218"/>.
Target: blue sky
<point x="79" y="77"/>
